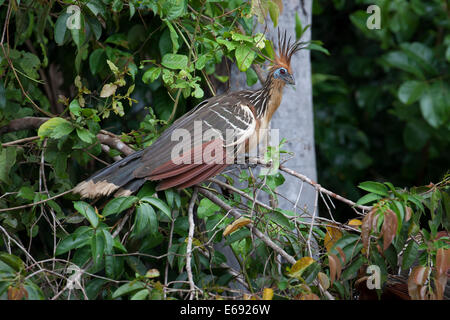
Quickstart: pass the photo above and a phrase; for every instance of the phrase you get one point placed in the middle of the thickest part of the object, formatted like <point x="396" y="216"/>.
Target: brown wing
<point x="200" y="144"/>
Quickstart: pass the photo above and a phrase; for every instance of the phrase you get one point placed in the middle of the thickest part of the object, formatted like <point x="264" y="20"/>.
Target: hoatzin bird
<point x="245" y="114"/>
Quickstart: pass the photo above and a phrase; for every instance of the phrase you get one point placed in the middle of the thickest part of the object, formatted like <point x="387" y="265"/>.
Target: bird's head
<point x="281" y="68"/>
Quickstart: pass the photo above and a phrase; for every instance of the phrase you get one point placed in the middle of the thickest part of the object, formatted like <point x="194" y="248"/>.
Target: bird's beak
<point x="290" y="79"/>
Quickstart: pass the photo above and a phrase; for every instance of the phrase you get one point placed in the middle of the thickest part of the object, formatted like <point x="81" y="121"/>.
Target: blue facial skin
<point x="283" y="74"/>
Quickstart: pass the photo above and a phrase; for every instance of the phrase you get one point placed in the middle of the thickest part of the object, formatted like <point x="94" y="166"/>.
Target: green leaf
<point x="2" y="96"/>
<point x="87" y="211"/>
<point x="34" y="292"/>
<point x="26" y="193"/>
<point x="201" y="61"/>
<point x="173" y="198"/>
<point x="78" y="34"/>
<point x="352" y="270"/>
<point x="61" y="28"/>
<point x="244" y="57"/>
<point x="434" y="104"/>
<point x="7" y="161"/>
<point x="173" y="36"/>
<point x="140" y="295"/>
<point x="278" y="217"/>
<point x="158" y="203"/>
<point x="85" y="135"/>
<point x="145" y="220"/>
<point x="93" y="288"/>
<point x="55" y="128"/>
<point x="76" y="240"/>
<point x="96" y="7"/>
<point x="151" y="75"/>
<point x="374" y="187"/>
<point x="410" y="91"/>
<point x="128" y="288"/>
<point x="97" y="247"/>
<point x="132" y="9"/>
<point x="400" y="60"/>
<point x="410" y="255"/>
<point x="198" y="92"/>
<point x="117" y="5"/>
<point x="117" y="205"/>
<point x="350" y="245"/>
<point x="230" y="45"/>
<point x="241" y="37"/>
<point x="174" y="61"/>
<point x="119" y="246"/>
<point x="298" y="27"/>
<point x="75" y="108"/>
<point x="422" y="55"/>
<point x="113" y="67"/>
<point x="274" y="12"/>
<point x="172" y="9"/>
<point x="12" y="261"/>
<point x="97" y="60"/>
<point x="109" y="241"/>
<point x="207" y="208"/>
<point x="252" y="77"/>
<point x="368" y="198"/>
<point x="317" y="47"/>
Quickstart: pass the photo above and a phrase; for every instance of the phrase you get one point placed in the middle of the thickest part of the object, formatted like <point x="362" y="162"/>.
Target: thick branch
<point x="23" y="124"/>
<point x="114" y="142"/>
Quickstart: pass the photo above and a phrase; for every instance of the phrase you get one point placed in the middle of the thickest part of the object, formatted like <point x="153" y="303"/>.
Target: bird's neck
<point x="267" y="99"/>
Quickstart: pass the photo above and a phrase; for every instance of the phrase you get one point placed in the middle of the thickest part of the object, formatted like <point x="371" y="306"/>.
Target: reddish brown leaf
<point x="332" y="265"/>
<point x="442" y="261"/>
<point x="416" y="281"/>
<point x="341" y="253"/>
<point x="366" y="228"/>
<point x="17" y="293"/>
<point x="441" y="234"/>
<point x="338" y="267"/>
<point x="389" y="228"/>
<point x="440" y="281"/>
<point x="324" y="281"/>
<point x="408" y="214"/>
<point x="335" y="267"/>
<point x="309" y="296"/>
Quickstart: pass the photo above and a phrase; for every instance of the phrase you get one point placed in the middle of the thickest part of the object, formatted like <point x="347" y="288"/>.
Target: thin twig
<point x="256" y="232"/>
<point x="189" y="243"/>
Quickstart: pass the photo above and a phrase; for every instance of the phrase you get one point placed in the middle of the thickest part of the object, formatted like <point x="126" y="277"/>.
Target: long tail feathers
<point x="111" y="178"/>
<point x="126" y="176"/>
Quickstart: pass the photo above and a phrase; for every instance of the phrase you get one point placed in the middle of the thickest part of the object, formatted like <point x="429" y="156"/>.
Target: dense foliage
<point x="382" y="102"/>
<point x="68" y="95"/>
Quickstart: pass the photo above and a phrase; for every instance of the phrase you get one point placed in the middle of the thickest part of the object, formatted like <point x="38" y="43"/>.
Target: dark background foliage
<point x="367" y="127"/>
<point x="381" y="101"/>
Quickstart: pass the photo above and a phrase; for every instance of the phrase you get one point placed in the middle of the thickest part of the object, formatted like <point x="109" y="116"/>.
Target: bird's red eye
<point x="282" y="71"/>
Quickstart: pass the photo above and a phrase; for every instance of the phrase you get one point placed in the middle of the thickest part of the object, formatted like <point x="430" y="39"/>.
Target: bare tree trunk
<point x="294" y="119"/>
